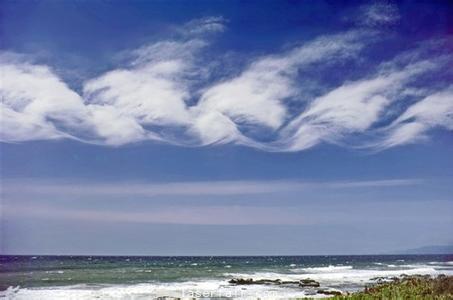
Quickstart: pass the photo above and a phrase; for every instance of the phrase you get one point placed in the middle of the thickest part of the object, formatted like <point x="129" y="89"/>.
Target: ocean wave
<point x="343" y="277"/>
<point x="183" y="290"/>
<point x="55" y="272"/>
<point x="329" y="268"/>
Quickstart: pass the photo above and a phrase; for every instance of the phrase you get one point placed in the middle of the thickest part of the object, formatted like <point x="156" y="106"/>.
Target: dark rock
<point x="302" y="283"/>
<point x="241" y="281"/>
<point x="267" y="281"/>
<point x="394" y="278"/>
<point x="382" y="279"/>
<point x="290" y="282"/>
<point x="378" y="278"/>
<point x="330" y="292"/>
<point x="308" y="283"/>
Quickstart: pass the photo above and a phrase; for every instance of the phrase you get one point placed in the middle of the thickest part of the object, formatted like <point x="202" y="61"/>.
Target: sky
<point x="225" y="127"/>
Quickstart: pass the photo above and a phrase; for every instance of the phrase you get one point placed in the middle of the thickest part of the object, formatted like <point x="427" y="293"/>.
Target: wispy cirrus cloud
<point x="154" y="90"/>
<point x="208" y="25"/>
<point x="237" y="202"/>
<point x="57" y="188"/>
<point x="378" y="14"/>
<point x="239" y="214"/>
<point x="435" y="110"/>
<point x="166" y="93"/>
<point x="351" y="108"/>
<point x="257" y="96"/>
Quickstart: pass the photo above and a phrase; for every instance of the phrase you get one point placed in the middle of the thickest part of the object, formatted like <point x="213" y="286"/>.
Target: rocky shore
<point x="402" y="287"/>
<point x="406" y="287"/>
<point x="310" y="286"/>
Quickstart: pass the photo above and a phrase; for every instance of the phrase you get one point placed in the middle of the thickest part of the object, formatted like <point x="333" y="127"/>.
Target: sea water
<point x="96" y="277"/>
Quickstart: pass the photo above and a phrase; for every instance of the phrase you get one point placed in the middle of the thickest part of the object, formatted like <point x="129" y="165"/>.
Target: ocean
<point x="103" y="277"/>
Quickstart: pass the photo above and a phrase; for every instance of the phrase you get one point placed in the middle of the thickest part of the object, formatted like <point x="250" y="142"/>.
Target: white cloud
<point x="155" y="89"/>
<point x="204" y="26"/>
<point x="257" y="95"/>
<point x="200" y="188"/>
<point x="213" y="127"/>
<point x="219" y="213"/>
<point x="167" y="93"/>
<point x="32" y="96"/>
<point x="203" y="215"/>
<point x="116" y="128"/>
<point x="36" y="104"/>
<point x="435" y="110"/>
<point x="378" y="14"/>
<point x="348" y="109"/>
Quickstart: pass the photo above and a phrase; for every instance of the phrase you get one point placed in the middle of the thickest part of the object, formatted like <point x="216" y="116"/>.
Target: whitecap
<point x="342" y="277"/>
<point x="329" y="268"/>
<point x="55" y="272"/>
<point x="182" y="290"/>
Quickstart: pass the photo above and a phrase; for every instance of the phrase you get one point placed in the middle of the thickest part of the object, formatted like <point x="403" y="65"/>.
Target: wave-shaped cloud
<point x="278" y="102"/>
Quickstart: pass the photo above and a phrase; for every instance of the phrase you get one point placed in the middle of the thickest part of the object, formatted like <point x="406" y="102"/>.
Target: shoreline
<point x="406" y="287"/>
<point x="248" y="278"/>
<point x="438" y="287"/>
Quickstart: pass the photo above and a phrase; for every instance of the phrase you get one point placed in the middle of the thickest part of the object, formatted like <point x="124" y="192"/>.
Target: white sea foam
<point x="330" y="268"/>
<point x="55" y="272"/>
<point x="344" y="276"/>
<point x="184" y="290"/>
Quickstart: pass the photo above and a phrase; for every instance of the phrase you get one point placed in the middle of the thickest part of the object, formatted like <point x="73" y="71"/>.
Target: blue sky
<point x="225" y="127"/>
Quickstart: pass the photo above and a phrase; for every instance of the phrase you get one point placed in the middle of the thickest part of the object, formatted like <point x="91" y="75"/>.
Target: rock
<point x="267" y="281"/>
<point x="330" y="292"/>
<point x="394" y="278"/>
<point x="308" y="283"/>
<point x="382" y="279"/>
<point x="302" y="283"/>
<point x="241" y="281"/>
<point x="290" y="282"/>
<point x="379" y="278"/>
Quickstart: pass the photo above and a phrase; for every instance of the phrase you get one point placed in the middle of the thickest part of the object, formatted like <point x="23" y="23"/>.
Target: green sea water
<point x="33" y="275"/>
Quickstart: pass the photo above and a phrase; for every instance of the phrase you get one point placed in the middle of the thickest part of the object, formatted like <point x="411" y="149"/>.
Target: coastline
<point x="297" y="277"/>
<point x="406" y="287"/>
